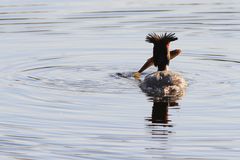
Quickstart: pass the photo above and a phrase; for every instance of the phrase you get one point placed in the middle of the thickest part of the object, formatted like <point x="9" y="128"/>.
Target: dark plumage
<point x="161" y="53"/>
<point x="163" y="38"/>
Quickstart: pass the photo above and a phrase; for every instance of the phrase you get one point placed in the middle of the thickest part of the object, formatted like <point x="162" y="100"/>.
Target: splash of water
<point x="164" y="84"/>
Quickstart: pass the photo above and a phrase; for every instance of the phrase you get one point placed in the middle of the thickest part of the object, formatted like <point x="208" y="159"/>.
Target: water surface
<point x="62" y="99"/>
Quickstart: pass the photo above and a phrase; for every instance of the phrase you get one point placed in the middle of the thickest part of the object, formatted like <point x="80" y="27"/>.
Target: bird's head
<point x="161" y="52"/>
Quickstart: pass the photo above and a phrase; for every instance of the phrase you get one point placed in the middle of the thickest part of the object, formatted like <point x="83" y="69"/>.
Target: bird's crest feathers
<point x="163" y="38"/>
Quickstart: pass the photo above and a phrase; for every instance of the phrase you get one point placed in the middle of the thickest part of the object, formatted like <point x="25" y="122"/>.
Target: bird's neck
<point x="163" y="68"/>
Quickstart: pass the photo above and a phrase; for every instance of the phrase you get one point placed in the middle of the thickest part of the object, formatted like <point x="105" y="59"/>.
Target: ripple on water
<point x="63" y="77"/>
<point x="57" y="108"/>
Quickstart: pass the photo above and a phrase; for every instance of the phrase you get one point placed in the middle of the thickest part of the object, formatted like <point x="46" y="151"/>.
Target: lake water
<point x="61" y="96"/>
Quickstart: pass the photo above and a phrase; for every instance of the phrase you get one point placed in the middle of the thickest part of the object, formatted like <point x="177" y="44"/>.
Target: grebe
<point x="163" y="82"/>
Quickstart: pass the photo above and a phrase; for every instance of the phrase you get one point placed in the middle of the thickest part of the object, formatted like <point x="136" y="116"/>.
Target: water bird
<point x="163" y="82"/>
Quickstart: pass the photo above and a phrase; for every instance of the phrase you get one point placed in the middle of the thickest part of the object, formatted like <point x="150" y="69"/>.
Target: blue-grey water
<point x="62" y="99"/>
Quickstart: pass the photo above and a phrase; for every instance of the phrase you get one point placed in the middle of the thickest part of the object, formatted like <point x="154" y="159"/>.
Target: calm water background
<point x="61" y="98"/>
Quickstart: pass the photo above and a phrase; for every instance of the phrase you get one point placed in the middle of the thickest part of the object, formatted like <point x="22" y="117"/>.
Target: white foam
<point x="164" y="83"/>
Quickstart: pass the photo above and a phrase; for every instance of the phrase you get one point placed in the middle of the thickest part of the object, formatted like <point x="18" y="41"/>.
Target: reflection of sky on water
<point x="61" y="99"/>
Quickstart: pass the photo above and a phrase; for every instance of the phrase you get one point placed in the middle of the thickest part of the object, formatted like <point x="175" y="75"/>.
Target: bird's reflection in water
<point x="160" y="112"/>
<point x="159" y="122"/>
